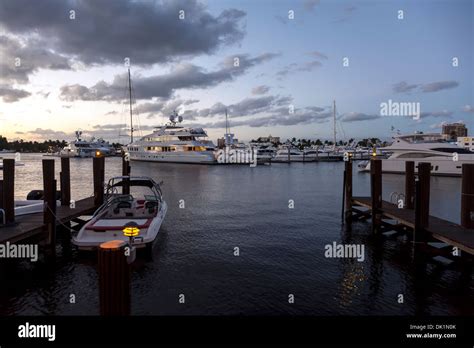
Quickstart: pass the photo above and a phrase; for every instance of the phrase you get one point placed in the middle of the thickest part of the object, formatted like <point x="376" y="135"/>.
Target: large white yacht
<point x="87" y="148"/>
<point x="446" y="158"/>
<point x="173" y="143"/>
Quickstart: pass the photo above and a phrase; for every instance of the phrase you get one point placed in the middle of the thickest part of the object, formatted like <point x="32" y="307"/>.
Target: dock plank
<point x="443" y="230"/>
<point x="31" y="225"/>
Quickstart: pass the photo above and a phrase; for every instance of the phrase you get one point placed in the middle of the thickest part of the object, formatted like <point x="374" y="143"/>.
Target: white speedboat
<point x="143" y="209"/>
<point x="446" y="158"/>
<point x="174" y="143"/>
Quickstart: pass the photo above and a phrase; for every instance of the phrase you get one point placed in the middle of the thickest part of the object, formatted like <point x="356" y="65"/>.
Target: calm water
<point x="281" y="249"/>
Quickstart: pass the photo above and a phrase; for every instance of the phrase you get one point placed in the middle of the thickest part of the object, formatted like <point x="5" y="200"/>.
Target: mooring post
<point x="348" y="190"/>
<point x="409" y="184"/>
<point x="65" y="181"/>
<point x="9" y="190"/>
<point x="467" y="196"/>
<point x="125" y="172"/>
<point x="424" y="170"/>
<point x="288" y="154"/>
<point x="49" y="189"/>
<point x="376" y="192"/>
<point x="98" y="166"/>
<point x="114" y="279"/>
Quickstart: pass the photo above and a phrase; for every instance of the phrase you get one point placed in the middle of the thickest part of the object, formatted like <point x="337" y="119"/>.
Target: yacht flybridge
<point x="173" y="143"/>
<point x="446" y="158"/>
<point x="130" y="202"/>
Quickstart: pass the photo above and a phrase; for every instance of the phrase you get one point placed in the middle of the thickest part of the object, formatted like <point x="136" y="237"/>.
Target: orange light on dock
<point x="97" y="153"/>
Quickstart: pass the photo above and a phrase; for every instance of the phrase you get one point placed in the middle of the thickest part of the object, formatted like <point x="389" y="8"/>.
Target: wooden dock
<point x="42" y="226"/>
<point x="411" y="211"/>
<point x="32" y="225"/>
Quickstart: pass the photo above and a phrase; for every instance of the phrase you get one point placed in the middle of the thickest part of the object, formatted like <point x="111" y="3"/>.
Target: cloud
<point x="403" y="87"/>
<point x="358" y="116"/>
<point x="438" y="125"/>
<point x="444" y="113"/>
<point x="318" y="55"/>
<point x="20" y="58"/>
<point x="309" y="66"/>
<point x="438" y="86"/>
<point x="468" y="108"/>
<point x="182" y="76"/>
<point x="11" y="95"/>
<point x="295" y="67"/>
<point x="260" y="90"/>
<point x="310" y="5"/>
<point x="107" y="31"/>
<point x="41" y="133"/>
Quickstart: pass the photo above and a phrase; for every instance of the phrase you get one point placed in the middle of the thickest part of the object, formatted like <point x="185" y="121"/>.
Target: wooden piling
<point x="348" y="191"/>
<point x="409" y="184"/>
<point x="125" y="172"/>
<point x="376" y="193"/>
<point x="65" y="181"/>
<point x="424" y="170"/>
<point x="1" y="194"/>
<point x="49" y="189"/>
<point x="467" y="196"/>
<point x="289" y="155"/>
<point x="114" y="279"/>
<point x="98" y="166"/>
<point x="9" y="190"/>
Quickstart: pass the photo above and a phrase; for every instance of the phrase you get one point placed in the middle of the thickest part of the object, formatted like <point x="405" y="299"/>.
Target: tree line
<point x="31" y="146"/>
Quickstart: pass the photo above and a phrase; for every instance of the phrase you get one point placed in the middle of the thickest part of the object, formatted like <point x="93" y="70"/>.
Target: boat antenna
<point x="334" y="116"/>
<point x="130" y="94"/>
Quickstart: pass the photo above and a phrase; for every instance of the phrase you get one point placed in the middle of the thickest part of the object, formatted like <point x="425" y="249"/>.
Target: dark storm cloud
<point x="20" y="58"/>
<point x="11" y="95"/>
<point x="438" y="86"/>
<point x="183" y="76"/>
<point x="107" y="31"/>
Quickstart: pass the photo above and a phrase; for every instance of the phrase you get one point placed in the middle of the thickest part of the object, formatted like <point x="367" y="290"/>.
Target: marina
<point x="192" y="250"/>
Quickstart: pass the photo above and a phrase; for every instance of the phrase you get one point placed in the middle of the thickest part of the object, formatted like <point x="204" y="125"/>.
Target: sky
<point x="275" y="65"/>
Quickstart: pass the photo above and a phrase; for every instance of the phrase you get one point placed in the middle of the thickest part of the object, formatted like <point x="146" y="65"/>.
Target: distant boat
<point x="87" y="148"/>
<point x="7" y="151"/>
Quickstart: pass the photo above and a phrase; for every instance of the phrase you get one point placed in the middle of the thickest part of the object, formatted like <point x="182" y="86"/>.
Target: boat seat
<point x="151" y="206"/>
<point x="122" y="205"/>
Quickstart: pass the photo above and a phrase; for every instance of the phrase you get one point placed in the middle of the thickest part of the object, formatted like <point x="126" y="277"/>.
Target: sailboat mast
<point x="130" y="94"/>
<point x="226" y="124"/>
<point x="334" y="119"/>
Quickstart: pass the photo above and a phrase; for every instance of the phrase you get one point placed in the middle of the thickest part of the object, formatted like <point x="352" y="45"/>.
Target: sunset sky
<point x="61" y="71"/>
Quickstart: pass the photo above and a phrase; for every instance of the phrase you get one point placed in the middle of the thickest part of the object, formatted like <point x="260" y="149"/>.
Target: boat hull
<point x="189" y="157"/>
<point x="89" y="239"/>
<point x="439" y="167"/>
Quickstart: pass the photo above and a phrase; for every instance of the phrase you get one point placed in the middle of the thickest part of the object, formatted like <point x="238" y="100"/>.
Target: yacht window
<point x="451" y="150"/>
<point x="416" y="155"/>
